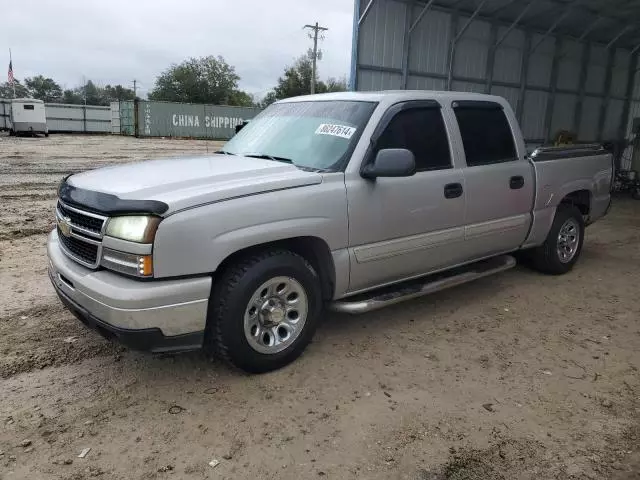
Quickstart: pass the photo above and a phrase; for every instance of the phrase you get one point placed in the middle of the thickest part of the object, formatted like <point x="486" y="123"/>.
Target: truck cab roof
<point x="395" y="96"/>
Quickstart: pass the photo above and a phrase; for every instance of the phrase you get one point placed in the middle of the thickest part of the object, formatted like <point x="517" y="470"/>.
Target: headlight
<point x="135" y="228"/>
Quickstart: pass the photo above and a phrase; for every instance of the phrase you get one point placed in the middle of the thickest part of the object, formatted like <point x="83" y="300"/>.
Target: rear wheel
<point x="560" y="251"/>
<point x="264" y="311"/>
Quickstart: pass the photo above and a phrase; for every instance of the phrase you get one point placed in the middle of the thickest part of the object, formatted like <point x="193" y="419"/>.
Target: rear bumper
<point x="159" y="316"/>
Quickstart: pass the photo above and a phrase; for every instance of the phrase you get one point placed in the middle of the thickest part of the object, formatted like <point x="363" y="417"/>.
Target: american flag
<point x="10" y="73"/>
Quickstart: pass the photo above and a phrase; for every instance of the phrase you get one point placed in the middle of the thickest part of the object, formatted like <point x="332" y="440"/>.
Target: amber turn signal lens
<point x="145" y="265"/>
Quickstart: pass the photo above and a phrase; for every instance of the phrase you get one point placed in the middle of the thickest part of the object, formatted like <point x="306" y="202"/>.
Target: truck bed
<point x="559" y="171"/>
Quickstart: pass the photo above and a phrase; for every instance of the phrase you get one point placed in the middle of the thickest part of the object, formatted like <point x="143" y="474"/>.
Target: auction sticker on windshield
<point x="341" y="131"/>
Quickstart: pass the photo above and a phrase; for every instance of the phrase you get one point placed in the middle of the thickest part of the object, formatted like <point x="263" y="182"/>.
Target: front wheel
<point x="560" y="251"/>
<point x="264" y="311"/>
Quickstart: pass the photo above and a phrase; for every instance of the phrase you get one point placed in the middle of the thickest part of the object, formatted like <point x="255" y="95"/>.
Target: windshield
<point x="315" y="135"/>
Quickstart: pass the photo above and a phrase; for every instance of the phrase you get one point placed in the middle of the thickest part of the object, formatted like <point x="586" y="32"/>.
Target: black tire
<point x="11" y="133"/>
<point x="225" y="335"/>
<point x="46" y="134"/>
<point x="545" y="258"/>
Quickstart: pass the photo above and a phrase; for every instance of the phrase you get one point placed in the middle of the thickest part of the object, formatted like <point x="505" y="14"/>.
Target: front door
<point x="406" y="227"/>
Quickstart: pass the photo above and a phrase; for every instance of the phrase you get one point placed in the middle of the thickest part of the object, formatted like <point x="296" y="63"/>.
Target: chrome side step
<point x="376" y="299"/>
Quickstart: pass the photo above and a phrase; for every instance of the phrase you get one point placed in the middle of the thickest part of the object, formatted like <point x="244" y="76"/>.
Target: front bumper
<point x="159" y="316"/>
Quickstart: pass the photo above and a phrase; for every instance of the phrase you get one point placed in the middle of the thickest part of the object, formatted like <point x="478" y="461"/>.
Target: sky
<point x="115" y="41"/>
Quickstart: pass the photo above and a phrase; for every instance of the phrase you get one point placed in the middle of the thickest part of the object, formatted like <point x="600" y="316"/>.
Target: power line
<point x="315" y="55"/>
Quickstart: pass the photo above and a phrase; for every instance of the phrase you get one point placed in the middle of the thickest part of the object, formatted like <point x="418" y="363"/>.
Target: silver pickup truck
<point x="350" y="200"/>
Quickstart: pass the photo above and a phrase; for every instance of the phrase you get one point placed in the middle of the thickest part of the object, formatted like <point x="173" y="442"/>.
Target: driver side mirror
<point x="391" y="162"/>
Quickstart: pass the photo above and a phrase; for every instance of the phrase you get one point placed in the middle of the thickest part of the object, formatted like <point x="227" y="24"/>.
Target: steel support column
<point x="584" y="69"/>
<point x="422" y="14"/>
<point x="470" y="20"/>
<point x="453" y="28"/>
<point x="457" y="37"/>
<point x="491" y="58"/>
<point x="524" y="73"/>
<point x="514" y="24"/>
<point x="590" y="29"/>
<point x="608" y="80"/>
<point x="409" y="27"/>
<point x="551" y="101"/>
<point x="355" y="39"/>
<point x="619" y="36"/>
<point x="555" y="25"/>
<point x="633" y="66"/>
<point x="367" y="9"/>
<point x="406" y="45"/>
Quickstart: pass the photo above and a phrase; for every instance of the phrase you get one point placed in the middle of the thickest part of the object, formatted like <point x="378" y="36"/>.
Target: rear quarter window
<point x="28" y="107"/>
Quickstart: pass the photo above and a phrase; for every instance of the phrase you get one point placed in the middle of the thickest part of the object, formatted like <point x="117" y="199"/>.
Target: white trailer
<point x="26" y="115"/>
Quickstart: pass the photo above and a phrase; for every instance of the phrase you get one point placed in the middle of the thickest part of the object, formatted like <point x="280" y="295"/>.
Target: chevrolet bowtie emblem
<point x="64" y="224"/>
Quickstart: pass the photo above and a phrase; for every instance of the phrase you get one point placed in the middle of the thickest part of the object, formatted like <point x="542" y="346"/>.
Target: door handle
<point x="516" y="182"/>
<point x="452" y="190"/>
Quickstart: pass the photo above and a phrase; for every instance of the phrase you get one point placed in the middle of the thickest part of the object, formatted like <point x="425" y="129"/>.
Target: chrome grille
<point x="79" y="249"/>
<point x="80" y="234"/>
<point x="82" y="220"/>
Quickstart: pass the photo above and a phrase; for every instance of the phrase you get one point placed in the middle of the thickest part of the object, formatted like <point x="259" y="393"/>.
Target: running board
<point x="386" y="296"/>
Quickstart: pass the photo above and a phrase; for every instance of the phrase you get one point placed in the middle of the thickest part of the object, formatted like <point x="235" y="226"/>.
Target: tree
<point x="296" y="81"/>
<point x="241" y="99"/>
<point x="199" y="80"/>
<point x="92" y="94"/>
<point x="96" y="95"/>
<point x="336" y="85"/>
<point x="72" y="96"/>
<point x="118" y="93"/>
<point x="6" y="90"/>
<point x="45" y="89"/>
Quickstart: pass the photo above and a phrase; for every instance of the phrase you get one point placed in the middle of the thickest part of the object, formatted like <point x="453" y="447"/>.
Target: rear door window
<point x="486" y="134"/>
<point x="422" y="131"/>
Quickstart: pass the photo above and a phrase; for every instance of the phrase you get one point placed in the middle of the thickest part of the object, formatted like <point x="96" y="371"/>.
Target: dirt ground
<point x="518" y="376"/>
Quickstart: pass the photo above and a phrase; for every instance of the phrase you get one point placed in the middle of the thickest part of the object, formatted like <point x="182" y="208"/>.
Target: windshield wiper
<point x="313" y="169"/>
<point x="264" y="156"/>
<point x="224" y="152"/>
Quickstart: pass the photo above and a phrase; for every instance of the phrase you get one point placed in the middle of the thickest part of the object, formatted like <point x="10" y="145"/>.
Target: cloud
<point x="119" y="40"/>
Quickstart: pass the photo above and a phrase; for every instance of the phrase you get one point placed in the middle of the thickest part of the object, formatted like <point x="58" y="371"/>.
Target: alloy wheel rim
<point x="568" y="240"/>
<point x="275" y="315"/>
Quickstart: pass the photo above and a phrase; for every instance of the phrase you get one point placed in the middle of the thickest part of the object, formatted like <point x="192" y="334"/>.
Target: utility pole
<point x="135" y="88"/>
<point x="315" y="55"/>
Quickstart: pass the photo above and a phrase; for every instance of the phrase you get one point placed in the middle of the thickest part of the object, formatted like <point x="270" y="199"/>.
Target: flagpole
<point x="13" y="83"/>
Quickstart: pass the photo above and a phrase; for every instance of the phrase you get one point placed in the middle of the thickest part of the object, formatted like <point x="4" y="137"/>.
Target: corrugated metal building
<point x="562" y="64"/>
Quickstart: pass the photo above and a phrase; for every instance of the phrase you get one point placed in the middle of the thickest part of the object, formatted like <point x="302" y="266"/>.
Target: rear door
<point x="499" y="181"/>
<point x="405" y="227"/>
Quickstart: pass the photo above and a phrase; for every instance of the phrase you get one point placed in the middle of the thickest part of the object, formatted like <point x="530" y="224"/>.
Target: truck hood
<point x="186" y="182"/>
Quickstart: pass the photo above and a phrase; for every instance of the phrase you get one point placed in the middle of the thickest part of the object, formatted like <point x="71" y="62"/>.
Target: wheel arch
<point x="581" y="199"/>
<point x="313" y="249"/>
